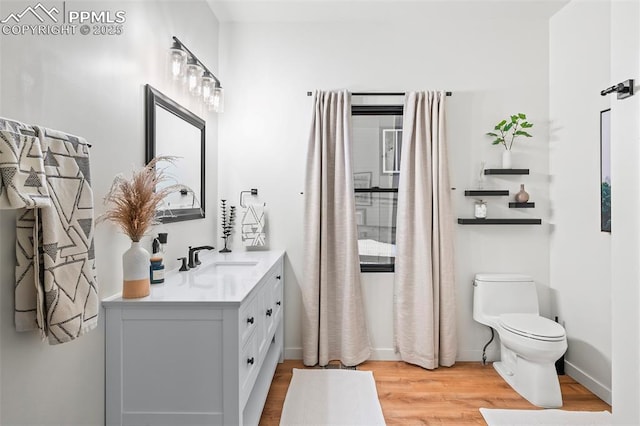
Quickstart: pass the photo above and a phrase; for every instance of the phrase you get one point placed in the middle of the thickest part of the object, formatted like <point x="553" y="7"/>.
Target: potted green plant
<point x="506" y="132"/>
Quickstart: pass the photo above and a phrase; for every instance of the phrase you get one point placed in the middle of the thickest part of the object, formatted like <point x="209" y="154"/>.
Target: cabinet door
<point x="169" y="368"/>
<point x="277" y="295"/>
<point x="266" y="317"/>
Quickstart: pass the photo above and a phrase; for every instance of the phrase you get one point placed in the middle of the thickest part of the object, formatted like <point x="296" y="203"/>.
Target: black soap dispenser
<point x="156" y="270"/>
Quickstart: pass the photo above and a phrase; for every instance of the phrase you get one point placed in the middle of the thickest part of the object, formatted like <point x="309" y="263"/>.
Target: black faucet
<point x="193" y="255"/>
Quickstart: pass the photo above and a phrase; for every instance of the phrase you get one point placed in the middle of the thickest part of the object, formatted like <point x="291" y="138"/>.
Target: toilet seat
<point x="532" y="326"/>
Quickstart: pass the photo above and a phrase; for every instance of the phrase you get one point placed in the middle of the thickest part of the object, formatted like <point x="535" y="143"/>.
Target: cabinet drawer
<point x="248" y="363"/>
<point x="247" y="319"/>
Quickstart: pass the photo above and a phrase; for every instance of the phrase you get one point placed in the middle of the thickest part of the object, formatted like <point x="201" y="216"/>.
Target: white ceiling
<point x="380" y="10"/>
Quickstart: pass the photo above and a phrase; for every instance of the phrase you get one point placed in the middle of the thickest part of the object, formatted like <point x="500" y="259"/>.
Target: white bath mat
<point x="545" y="417"/>
<point x="332" y="397"/>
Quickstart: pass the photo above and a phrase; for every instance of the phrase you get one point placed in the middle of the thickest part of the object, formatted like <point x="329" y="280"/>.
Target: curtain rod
<point x="379" y="93"/>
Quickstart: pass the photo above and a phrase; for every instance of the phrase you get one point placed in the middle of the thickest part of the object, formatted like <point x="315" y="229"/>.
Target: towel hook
<point x="624" y="89"/>
<point x="253" y="191"/>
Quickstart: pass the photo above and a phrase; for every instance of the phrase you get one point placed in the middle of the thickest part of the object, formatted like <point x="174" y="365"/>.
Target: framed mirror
<point x="173" y="130"/>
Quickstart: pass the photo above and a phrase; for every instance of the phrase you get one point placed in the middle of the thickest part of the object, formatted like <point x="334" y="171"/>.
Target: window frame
<point x="377" y="110"/>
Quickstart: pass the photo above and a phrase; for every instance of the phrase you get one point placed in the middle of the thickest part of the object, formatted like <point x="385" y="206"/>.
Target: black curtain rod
<point x="379" y="93"/>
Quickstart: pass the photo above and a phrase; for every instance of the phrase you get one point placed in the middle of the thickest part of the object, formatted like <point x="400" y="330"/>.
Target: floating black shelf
<point x="474" y="221"/>
<point x="485" y="192"/>
<point x="506" y="171"/>
<point x="522" y="205"/>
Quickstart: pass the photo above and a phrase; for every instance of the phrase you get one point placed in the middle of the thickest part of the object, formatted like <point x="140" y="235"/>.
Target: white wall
<point x="1" y="226"/>
<point x="625" y="241"/>
<point x="580" y="253"/>
<point x="92" y="86"/>
<point x="495" y="65"/>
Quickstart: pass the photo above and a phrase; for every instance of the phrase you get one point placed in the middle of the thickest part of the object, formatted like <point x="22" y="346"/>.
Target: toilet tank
<point x="497" y="294"/>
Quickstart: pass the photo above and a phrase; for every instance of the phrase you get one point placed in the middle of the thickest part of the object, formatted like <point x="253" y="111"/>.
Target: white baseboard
<point x="384" y="354"/>
<point x="388" y="354"/>
<point x="603" y="392"/>
<point x="377" y="354"/>
<point x="476" y="355"/>
<point x="292" y="353"/>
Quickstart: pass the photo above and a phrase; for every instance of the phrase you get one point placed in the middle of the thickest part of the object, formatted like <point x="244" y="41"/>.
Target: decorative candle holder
<point x="480" y="209"/>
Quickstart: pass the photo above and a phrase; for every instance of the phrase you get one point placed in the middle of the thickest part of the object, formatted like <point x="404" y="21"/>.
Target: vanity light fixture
<point x="193" y="73"/>
<point x="177" y="60"/>
<point x="196" y="76"/>
<point x="216" y="100"/>
<point x="207" y="84"/>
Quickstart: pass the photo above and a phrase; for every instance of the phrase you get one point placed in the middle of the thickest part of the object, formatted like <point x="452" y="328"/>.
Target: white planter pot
<point x="506" y="159"/>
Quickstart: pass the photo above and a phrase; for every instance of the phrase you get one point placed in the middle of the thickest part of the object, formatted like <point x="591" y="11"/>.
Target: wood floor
<point x="410" y="395"/>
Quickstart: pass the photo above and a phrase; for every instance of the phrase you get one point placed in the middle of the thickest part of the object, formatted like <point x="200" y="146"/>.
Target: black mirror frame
<point x="153" y="98"/>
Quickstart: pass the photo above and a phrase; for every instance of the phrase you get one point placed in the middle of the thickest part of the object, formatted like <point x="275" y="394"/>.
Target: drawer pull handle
<point x="278" y="277"/>
<point x="250" y="320"/>
<point x="278" y="303"/>
<point x="269" y="312"/>
<point x="250" y="360"/>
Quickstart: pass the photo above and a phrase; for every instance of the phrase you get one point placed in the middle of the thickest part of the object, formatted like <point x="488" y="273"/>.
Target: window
<point x="377" y="145"/>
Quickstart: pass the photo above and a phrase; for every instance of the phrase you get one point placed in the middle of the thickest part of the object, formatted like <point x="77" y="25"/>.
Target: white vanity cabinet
<point x="201" y="349"/>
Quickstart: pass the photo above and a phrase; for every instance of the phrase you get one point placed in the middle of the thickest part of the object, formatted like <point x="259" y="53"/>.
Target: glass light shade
<point x="216" y="100"/>
<point x="177" y="61"/>
<point x="208" y="84"/>
<point x="193" y="76"/>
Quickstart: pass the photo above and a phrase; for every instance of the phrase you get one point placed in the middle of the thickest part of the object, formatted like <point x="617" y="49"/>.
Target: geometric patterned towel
<point x="61" y="298"/>
<point x="21" y="172"/>
<point x="253" y="223"/>
<point x="16" y="127"/>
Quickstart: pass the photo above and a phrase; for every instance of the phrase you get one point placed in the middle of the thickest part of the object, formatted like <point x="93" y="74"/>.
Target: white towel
<point x="21" y="172"/>
<point x="253" y="222"/>
<point x="56" y="290"/>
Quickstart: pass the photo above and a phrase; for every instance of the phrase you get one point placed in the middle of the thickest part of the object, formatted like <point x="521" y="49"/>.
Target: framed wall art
<point x="391" y="146"/>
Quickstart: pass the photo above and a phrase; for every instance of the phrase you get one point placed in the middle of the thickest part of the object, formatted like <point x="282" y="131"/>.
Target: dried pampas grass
<point x="133" y="202"/>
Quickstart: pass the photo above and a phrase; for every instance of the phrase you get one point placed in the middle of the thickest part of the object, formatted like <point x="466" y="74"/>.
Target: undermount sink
<point x="229" y="266"/>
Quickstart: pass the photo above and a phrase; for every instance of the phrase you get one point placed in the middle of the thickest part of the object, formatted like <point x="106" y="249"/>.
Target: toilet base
<point x="536" y="382"/>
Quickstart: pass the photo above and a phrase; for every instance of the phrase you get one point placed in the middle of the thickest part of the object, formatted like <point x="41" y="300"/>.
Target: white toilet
<point x="529" y="344"/>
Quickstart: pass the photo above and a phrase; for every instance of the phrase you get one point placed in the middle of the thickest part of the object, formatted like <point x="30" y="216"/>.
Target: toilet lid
<point x="532" y="325"/>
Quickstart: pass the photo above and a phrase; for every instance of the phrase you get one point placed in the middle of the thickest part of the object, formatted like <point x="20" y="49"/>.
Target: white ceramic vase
<point x="506" y="159"/>
<point x="135" y="272"/>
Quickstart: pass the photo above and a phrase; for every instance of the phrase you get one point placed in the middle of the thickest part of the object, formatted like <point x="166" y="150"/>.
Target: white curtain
<point x="424" y="287"/>
<point x="334" y="325"/>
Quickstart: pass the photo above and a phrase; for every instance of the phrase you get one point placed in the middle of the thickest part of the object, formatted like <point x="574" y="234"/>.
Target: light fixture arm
<point x="195" y="58"/>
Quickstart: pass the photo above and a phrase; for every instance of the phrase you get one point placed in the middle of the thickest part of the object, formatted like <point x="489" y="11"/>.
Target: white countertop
<point x="221" y="278"/>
